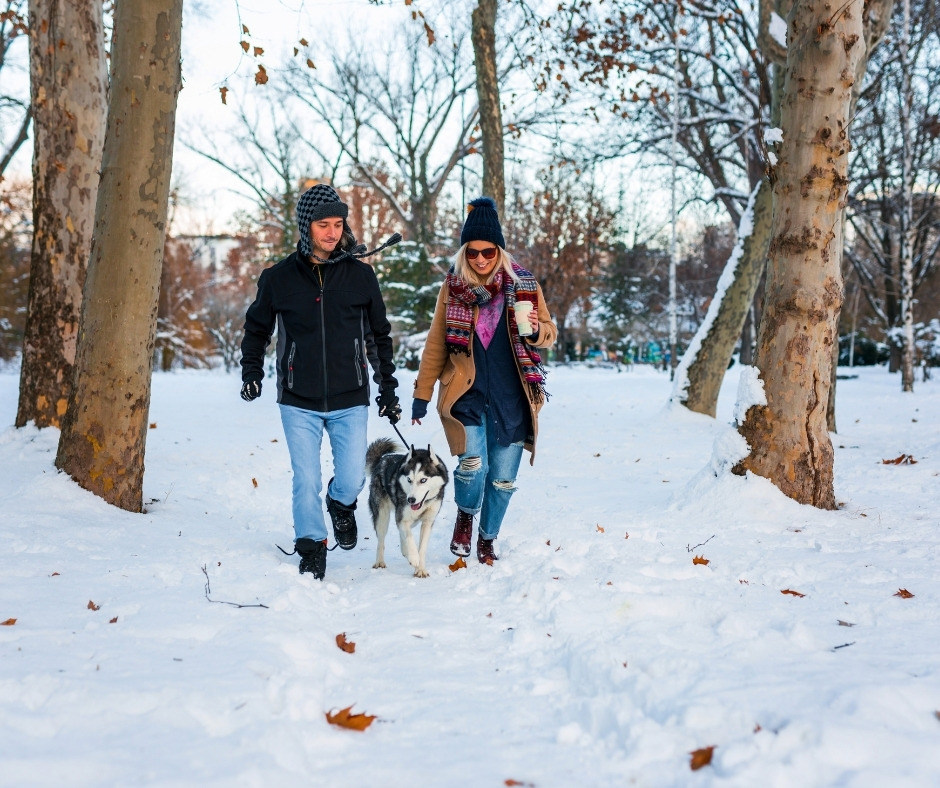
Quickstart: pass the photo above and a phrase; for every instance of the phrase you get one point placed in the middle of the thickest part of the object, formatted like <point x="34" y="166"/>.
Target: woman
<point x="492" y="384"/>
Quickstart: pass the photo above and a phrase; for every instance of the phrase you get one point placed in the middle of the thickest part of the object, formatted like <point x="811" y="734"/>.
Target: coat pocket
<point x="357" y="358"/>
<point x="290" y="365"/>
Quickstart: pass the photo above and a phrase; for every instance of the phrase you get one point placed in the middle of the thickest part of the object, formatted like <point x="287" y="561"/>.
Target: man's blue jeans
<point x="485" y="478"/>
<point x="303" y="429"/>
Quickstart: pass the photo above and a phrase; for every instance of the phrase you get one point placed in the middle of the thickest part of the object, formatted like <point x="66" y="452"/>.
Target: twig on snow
<point x="690" y="549"/>
<point x="222" y="601"/>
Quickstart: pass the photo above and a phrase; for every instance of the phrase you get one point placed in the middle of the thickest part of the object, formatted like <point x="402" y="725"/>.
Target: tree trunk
<point x="699" y="376"/>
<point x="788" y="439"/>
<point x="906" y="230"/>
<point x="105" y="427"/>
<point x="876" y="16"/>
<point x="491" y="114"/>
<point x="68" y="85"/>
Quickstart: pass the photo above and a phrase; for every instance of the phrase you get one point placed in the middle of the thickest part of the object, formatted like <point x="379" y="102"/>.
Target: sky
<point x="646" y="605"/>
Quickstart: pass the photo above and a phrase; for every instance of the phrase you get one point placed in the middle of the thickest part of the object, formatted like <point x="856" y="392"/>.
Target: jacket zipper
<point x="358" y="365"/>
<point x="290" y="365"/>
<point x="326" y="404"/>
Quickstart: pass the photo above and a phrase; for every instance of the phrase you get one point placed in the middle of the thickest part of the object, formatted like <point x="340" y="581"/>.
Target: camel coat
<point x="456" y="373"/>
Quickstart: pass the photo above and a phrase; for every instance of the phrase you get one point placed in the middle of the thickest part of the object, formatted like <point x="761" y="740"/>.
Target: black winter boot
<point x="312" y="554"/>
<point x="344" y="522"/>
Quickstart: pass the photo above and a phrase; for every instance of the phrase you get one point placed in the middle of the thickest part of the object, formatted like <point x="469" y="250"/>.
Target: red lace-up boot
<point x="463" y="530"/>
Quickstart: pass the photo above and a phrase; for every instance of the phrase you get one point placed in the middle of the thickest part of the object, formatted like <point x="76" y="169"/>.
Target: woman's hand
<point x="534" y="321"/>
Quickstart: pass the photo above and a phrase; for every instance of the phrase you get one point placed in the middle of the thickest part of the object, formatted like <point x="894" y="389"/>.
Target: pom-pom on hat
<point x="482" y="223"/>
<point x="319" y="202"/>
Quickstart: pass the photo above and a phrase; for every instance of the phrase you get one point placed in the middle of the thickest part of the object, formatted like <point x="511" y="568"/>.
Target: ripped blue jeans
<point x="485" y="478"/>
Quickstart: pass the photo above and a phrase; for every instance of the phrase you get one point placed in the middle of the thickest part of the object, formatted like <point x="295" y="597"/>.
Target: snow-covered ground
<point x="594" y="653"/>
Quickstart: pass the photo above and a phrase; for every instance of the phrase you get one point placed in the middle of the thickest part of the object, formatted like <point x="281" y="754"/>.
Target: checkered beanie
<point x="482" y="223"/>
<point x="320" y="202"/>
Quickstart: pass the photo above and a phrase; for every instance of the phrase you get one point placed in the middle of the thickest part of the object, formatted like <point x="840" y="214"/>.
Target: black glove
<point x="251" y="389"/>
<point x="388" y="406"/>
<point x="419" y="408"/>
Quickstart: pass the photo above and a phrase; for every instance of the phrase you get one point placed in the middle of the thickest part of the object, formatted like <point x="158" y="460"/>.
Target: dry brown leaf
<point x="512" y="782"/>
<point x="430" y="34"/>
<point x="345" y="645"/>
<point x="458" y="564"/>
<point x="93" y="606"/>
<point x="223" y="91"/>
<point x="8" y="623"/>
<point x="54" y="574"/>
<point x="153" y="425"/>
<point x="626" y="535"/>
<point x="844" y="623"/>
<point x="903" y="459"/>
<point x="245" y="30"/>
<point x="113" y="620"/>
<point x="600" y="529"/>
<point x="245" y="45"/>
<point x="701" y="757"/>
<point x="254" y="482"/>
<point x="700" y="559"/>
<point x="258" y="51"/>
<point x="261" y="78"/>
<point x="310" y="63"/>
<point x="904" y="593"/>
<point x="355" y="722"/>
<point x="792" y="593"/>
<point x="304" y="42"/>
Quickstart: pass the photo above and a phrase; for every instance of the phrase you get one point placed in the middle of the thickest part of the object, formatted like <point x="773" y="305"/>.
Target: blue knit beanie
<point x="319" y="202"/>
<point x="482" y="223"/>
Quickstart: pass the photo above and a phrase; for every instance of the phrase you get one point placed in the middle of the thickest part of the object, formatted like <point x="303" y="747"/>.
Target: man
<point x="326" y="304"/>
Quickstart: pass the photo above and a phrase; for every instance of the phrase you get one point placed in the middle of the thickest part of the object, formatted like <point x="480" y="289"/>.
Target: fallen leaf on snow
<point x="792" y="593"/>
<point x="113" y="620"/>
<point x="600" y="529"/>
<point x="458" y="564"/>
<point x="355" y="722"/>
<point x="518" y="783"/>
<point x="254" y="482"/>
<point x="153" y="425"/>
<point x="844" y="623"/>
<point x="8" y="623"/>
<point x="93" y="606"/>
<point x="700" y="559"/>
<point x="904" y="459"/>
<point x="345" y="645"/>
<point x="904" y="593"/>
<point x="54" y="574"/>
<point x="701" y="757"/>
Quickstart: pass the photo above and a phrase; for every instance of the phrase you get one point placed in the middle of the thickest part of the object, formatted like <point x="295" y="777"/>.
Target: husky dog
<point x="412" y="485"/>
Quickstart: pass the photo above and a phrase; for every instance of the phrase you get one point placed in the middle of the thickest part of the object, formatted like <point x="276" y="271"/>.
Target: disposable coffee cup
<point x="522" y="317"/>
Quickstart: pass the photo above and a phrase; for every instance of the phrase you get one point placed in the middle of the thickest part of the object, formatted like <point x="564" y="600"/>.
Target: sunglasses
<point x="488" y="254"/>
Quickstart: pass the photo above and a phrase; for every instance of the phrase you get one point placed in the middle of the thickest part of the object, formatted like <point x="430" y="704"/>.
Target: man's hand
<point x="388" y="406"/>
<point x="251" y="389"/>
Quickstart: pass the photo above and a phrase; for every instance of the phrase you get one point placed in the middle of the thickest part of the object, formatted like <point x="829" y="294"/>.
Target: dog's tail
<point x="377" y="449"/>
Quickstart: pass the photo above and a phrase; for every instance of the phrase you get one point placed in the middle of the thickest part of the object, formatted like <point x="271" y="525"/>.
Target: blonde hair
<point x="465" y="272"/>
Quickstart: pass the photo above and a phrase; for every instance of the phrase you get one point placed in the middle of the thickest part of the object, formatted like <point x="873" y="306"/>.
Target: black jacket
<point x="322" y="333"/>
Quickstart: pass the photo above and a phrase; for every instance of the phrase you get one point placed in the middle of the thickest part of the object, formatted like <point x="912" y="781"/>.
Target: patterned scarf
<point x="458" y="318"/>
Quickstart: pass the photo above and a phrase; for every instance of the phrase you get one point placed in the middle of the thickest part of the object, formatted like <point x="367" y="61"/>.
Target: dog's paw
<point x="378" y="565"/>
<point x="422" y="573"/>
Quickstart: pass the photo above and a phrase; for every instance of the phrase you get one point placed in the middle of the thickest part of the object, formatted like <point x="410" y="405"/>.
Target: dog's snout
<point x="411" y="499"/>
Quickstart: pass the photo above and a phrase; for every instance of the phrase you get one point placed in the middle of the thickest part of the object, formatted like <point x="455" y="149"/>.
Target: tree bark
<point x="68" y="85"/>
<point x="876" y="16"/>
<point x="698" y="380"/>
<point x="491" y="114"/>
<point x="105" y="427"/>
<point x="788" y="439"/>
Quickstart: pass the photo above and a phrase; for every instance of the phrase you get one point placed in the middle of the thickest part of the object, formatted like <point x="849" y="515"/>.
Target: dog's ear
<point x="411" y="450"/>
<point x="434" y="458"/>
